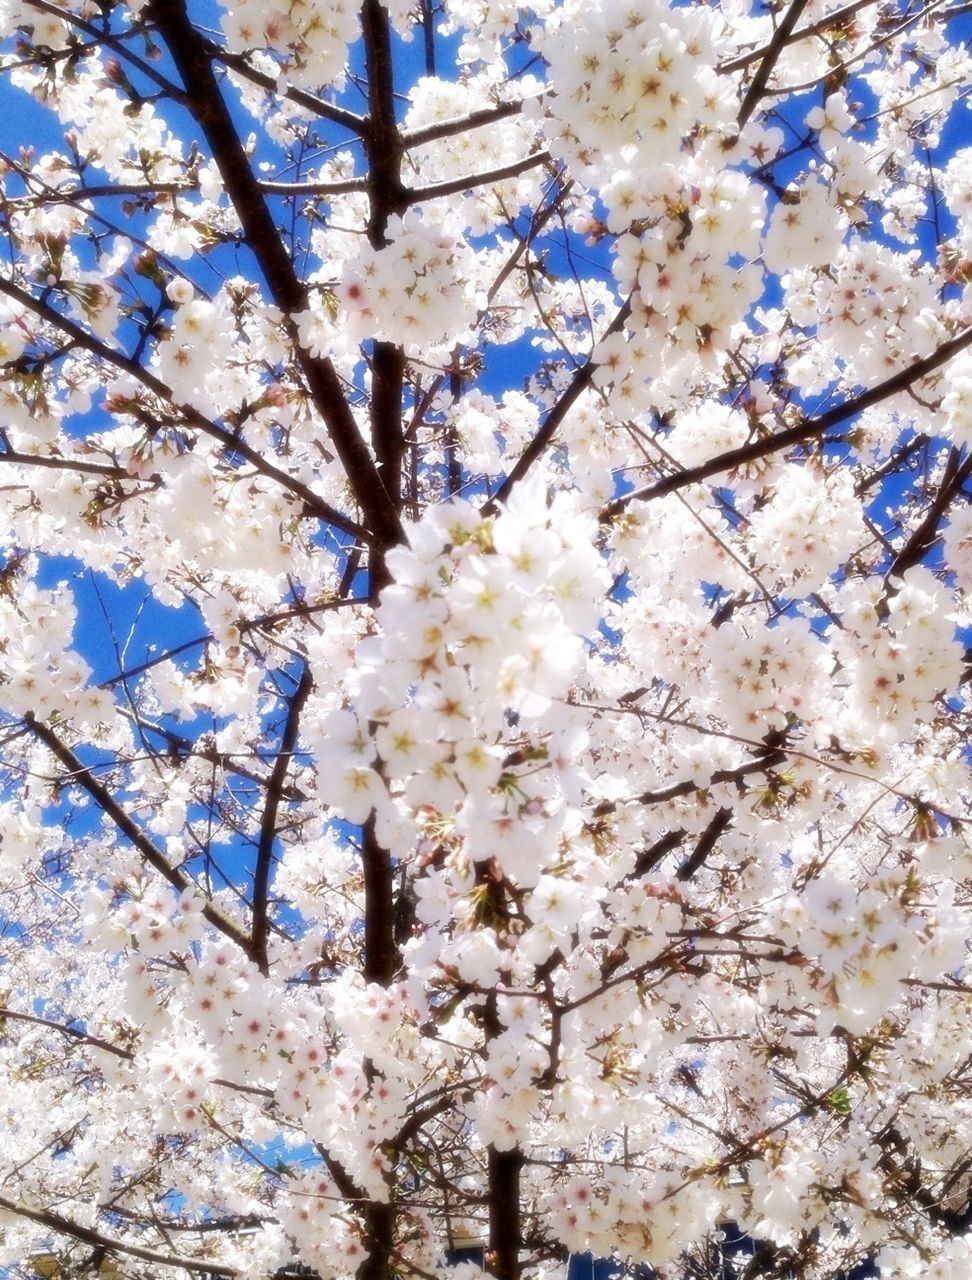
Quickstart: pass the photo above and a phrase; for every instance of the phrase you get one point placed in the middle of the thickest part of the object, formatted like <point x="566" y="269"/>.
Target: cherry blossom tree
<point x="515" y="784"/>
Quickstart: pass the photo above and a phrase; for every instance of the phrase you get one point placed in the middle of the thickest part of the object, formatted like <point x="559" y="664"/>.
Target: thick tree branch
<point x="808" y="429"/>
<point x="720" y="822"/>
<point x="380" y="952"/>
<point x="482" y="118"/>
<point x="386" y="196"/>
<point x="924" y="536"/>
<point x="88" y="1235"/>
<point x="80" y="775"/>
<point x="260" y="922"/>
<point x="233" y="442"/>
<point x="782" y="37"/>
<point x="542" y="440"/>
<point x="649" y="858"/>
<point x="505" y="1213"/>
<point x="487" y="179"/>
<point x="191" y="55"/>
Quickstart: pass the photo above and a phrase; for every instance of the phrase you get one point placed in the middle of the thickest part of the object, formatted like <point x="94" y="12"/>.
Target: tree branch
<point x="57" y="1222"/>
<point x="505" y="1225"/>
<point x="73" y="1032"/>
<point x="67" y="464"/>
<point x="773" y="757"/>
<point x="489" y="178"/>
<point x="924" y="536"/>
<point x="82" y="776"/>
<point x="805" y="430"/>
<point x="260" y="923"/>
<point x="412" y="195"/>
<point x="310" y="102"/>
<point x="825" y="23"/>
<point x="540" y="442"/>
<point x="110" y="42"/>
<point x="649" y="858"/>
<point x="192" y="57"/>
<point x="314" y="505"/>
<point x="461" y="124"/>
<point x="387" y="197"/>
<point x="784" y="33"/>
<point x="380" y="958"/>
<point x="721" y="820"/>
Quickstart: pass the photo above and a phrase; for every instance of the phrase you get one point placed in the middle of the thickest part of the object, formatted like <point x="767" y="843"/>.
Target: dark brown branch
<point x="268" y="187"/>
<point x="803" y="431"/>
<point x="260" y="923"/>
<point x="840" y="69"/>
<point x="412" y="195"/>
<point x="310" y="102"/>
<point x="73" y="1032"/>
<point x="111" y="42"/>
<point x="503" y="1167"/>
<point x="505" y="1222"/>
<point x="342" y="187"/>
<point x="542" y="440"/>
<point x="781" y="38"/>
<point x="461" y="124"/>
<point x="193" y="59"/>
<point x="388" y="442"/>
<point x="379" y="1239"/>
<point x="649" y="858"/>
<point x="202" y="1227"/>
<point x="721" y="820"/>
<point x="487" y="179"/>
<point x="925" y="535"/>
<point x="825" y="23"/>
<point x="380" y="952"/>
<point x="169" y="654"/>
<point x="67" y="464"/>
<point x="80" y="775"/>
<point x="88" y="1235"/>
<point x="70" y="195"/>
<point x="387" y="197"/>
<point x="314" y="505"/>
<point x="772" y="758"/>
<point x="893" y="464"/>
